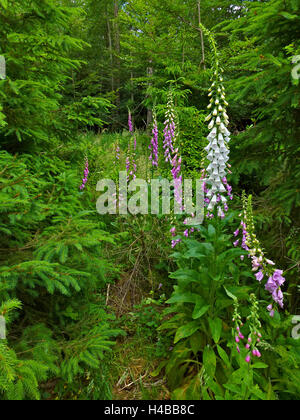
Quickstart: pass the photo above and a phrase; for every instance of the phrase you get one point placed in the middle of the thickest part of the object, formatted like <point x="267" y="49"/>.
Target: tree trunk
<point x="201" y="35"/>
<point x="117" y="49"/>
<point x="149" y="110"/>
<point x="110" y="48"/>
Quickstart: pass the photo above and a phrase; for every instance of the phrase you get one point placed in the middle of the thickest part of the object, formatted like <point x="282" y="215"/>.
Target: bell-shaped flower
<point x="211" y="124"/>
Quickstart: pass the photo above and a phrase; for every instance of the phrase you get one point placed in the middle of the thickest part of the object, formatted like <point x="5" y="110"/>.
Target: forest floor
<point x="135" y="356"/>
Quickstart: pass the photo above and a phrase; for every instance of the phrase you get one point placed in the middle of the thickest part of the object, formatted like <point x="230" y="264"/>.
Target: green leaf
<point x="4" y="3"/>
<point x="216" y="326"/>
<point x="259" y="365"/>
<point x="289" y="16"/>
<point x="223" y="355"/>
<point x="178" y="297"/>
<point x="230" y="294"/>
<point x="209" y="361"/>
<point x="186" y="331"/>
<point x="200" y="310"/>
<point x="211" y="231"/>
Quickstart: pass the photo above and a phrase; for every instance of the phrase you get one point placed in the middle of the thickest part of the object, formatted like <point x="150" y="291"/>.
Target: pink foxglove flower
<point x="171" y="129"/>
<point x="86" y="173"/>
<point x="131" y="166"/>
<point x="130" y="123"/>
<point x="154" y="142"/>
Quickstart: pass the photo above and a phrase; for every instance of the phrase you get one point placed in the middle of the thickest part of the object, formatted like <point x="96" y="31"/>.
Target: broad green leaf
<point x="259" y="365"/>
<point x="211" y="231"/>
<point x="186" y="331"/>
<point x="209" y="361"/>
<point x="224" y="356"/>
<point x="4" y="3"/>
<point x="200" y="310"/>
<point x="229" y="294"/>
<point x="216" y="329"/>
<point x="178" y="297"/>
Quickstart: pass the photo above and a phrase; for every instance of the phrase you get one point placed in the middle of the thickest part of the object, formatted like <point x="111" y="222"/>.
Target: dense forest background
<point x="83" y="295"/>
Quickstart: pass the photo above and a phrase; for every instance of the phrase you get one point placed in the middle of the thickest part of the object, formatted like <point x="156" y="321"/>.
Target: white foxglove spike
<point x="207" y="148"/>
<point x="210" y="194"/>
<point x="222" y="128"/>
<point x="210" y="206"/>
<point x="211" y="124"/>
<point x="214" y="144"/>
<point x="213" y="132"/>
<point x="214" y="189"/>
<point x="214" y="199"/>
<point x="222" y="144"/>
<point x="210" y="156"/>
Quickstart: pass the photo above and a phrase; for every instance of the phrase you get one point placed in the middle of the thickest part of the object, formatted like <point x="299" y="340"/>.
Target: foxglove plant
<point x="170" y="130"/>
<point x="131" y="166"/>
<point x="216" y="184"/>
<point x="154" y="142"/>
<point x="177" y="177"/>
<point x="130" y="123"/>
<point x="255" y="326"/>
<point x="263" y="267"/>
<point x="86" y="173"/>
<point x="117" y="153"/>
<point x="238" y="324"/>
<point x="171" y="151"/>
